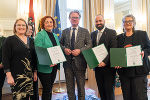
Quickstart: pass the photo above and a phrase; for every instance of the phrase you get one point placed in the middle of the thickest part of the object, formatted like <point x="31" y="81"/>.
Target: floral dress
<point x="20" y="59"/>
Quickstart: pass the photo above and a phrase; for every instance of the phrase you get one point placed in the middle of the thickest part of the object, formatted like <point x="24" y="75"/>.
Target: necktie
<point x="73" y="39"/>
<point x="98" y="36"/>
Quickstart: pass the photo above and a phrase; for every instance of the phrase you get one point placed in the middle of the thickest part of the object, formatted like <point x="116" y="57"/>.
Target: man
<point x="73" y="41"/>
<point x="2" y="74"/>
<point x="105" y="75"/>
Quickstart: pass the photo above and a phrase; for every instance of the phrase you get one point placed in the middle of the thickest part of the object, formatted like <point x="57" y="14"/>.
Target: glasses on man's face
<point x="74" y="17"/>
<point x="130" y="22"/>
<point x="19" y="25"/>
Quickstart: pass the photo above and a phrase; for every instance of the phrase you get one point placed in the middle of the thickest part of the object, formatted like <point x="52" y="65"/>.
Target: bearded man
<point x="104" y="74"/>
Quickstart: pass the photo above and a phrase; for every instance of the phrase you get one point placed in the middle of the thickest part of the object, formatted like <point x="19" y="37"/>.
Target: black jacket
<point x="109" y="39"/>
<point x="138" y="38"/>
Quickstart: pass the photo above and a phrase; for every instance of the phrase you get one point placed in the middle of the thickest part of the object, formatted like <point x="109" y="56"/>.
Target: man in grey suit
<point x="73" y="41"/>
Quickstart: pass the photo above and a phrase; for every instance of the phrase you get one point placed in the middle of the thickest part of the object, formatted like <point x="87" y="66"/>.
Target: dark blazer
<point x="109" y="39"/>
<point x="83" y="42"/>
<point x="138" y="38"/>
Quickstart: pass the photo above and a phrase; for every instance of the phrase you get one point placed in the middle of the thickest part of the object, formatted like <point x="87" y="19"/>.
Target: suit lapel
<point x="68" y="37"/>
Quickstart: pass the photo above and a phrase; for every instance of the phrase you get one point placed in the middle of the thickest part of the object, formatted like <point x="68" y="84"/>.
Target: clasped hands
<point x="74" y="52"/>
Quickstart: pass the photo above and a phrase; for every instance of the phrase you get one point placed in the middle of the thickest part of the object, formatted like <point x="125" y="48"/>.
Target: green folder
<point x="43" y="56"/>
<point x="94" y="56"/>
<point x="90" y="58"/>
<point x="118" y="57"/>
<point x="124" y="57"/>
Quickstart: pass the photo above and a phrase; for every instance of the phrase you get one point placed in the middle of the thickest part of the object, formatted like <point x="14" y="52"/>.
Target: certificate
<point x="56" y="54"/>
<point x="96" y="55"/>
<point x="49" y="56"/>
<point x="126" y="57"/>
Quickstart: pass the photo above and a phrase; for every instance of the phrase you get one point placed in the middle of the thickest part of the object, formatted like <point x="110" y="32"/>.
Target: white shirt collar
<point x="75" y="27"/>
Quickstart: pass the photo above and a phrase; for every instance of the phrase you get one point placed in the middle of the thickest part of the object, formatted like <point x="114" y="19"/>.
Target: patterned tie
<point x="99" y="36"/>
<point x="73" y="39"/>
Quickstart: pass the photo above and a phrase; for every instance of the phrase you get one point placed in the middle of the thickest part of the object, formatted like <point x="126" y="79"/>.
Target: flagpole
<point x="59" y="89"/>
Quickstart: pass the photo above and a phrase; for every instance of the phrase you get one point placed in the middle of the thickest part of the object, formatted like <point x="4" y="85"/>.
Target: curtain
<point x="50" y="7"/>
<point x="91" y="8"/>
<point x="148" y="16"/>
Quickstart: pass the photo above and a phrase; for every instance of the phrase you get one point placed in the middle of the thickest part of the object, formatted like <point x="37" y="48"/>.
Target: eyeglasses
<point x="19" y="25"/>
<point x="130" y="22"/>
<point x="47" y="22"/>
<point x="74" y="17"/>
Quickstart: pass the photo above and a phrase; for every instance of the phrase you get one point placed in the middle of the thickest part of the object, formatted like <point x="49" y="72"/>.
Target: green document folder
<point x="118" y="57"/>
<point x="126" y="57"/>
<point x="90" y="58"/>
<point x="43" y="56"/>
<point x="94" y="56"/>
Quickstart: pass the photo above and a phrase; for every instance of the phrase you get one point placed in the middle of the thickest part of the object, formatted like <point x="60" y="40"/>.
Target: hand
<point x="76" y="52"/>
<point x="10" y="79"/>
<point x="102" y="64"/>
<point x="35" y="76"/>
<point x="1" y="66"/>
<point x="67" y="51"/>
<point x="142" y="54"/>
<point x="52" y="65"/>
<point x="117" y="67"/>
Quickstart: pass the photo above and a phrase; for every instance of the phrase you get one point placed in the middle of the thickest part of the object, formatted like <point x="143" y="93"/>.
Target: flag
<point x="31" y="16"/>
<point x="57" y="18"/>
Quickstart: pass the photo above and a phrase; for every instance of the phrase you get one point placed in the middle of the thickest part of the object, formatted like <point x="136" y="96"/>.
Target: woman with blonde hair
<point x="19" y="60"/>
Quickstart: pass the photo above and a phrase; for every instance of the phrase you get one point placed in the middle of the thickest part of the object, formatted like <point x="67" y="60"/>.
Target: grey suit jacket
<point x="83" y="42"/>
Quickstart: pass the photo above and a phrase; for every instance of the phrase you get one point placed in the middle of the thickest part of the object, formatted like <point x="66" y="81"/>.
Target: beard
<point x="99" y="27"/>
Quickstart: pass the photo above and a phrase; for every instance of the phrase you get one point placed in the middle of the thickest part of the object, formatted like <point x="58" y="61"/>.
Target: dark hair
<point x="75" y="11"/>
<point x="33" y="29"/>
<point x="20" y="19"/>
<point x="133" y="18"/>
<point x="43" y="20"/>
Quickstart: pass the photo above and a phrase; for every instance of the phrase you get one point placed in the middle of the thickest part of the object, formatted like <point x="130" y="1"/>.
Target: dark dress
<point x="20" y="59"/>
<point x="2" y="74"/>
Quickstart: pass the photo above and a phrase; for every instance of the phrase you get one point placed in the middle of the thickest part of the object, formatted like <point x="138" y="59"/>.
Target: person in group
<point x="19" y="61"/>
<point x="29" y="34"/>
<point x="73" y="41"/>
<point x="105" y="75"/>
<point x="45" y="39"/>
<point x="134" y="79"/>
<point x="30" y="31"/>
<point x="2" y="74"/>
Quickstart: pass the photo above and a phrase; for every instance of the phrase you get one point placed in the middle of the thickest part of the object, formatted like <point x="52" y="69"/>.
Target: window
<point x="122" y="8"/>
<point x="66" y="6"/>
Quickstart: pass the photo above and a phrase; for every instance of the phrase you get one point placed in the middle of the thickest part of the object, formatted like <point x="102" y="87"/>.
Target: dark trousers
<point x="2" y="79"/>
<point x="47" y="80"/>
<point x="134" y="88"/>
<point x="105" y="78"/>
<point x="71" y="73"/>
<point x="35" y="91"/>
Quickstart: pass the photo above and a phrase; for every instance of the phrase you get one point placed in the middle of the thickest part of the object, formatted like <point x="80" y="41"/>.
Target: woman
<point x="19" y="60"/>
<point x="134" y="79"/>
<point x="2" y="74"/>
<point x="45" y="39"/>
<point x="29" y="34"/>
